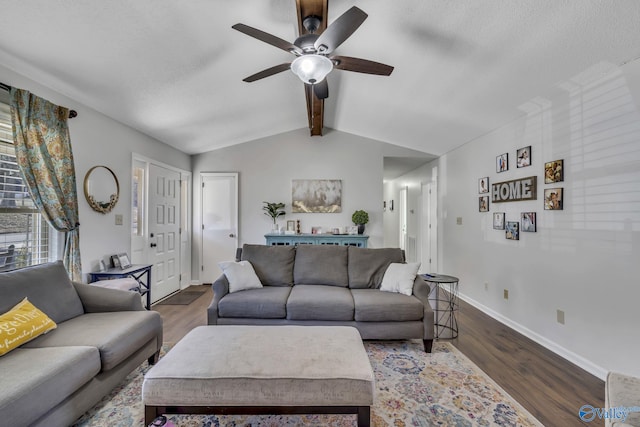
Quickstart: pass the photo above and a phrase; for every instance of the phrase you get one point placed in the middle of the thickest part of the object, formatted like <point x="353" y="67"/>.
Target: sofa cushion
<point x="321" y="265"/>
<point x="21" y="324"/>
<point x="367" y="266"/>
<point x="117" y="335"/>
<point x="319" y="302"/>
<point x="265" y="303"/>
<point x="47" y="286"/>
<point x="35" y="380"/>
<point x="272" y="264"/>
<point x="372" y="305"/>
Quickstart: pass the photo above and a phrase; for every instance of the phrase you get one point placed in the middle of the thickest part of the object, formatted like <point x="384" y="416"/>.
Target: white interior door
<point x="164" y="231"/>
<point x="219" y="222"/>
<point x="402" y="217"/>
<point x="429" y="228"/>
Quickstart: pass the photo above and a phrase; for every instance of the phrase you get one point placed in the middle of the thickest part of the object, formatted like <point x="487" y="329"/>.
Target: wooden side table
<point x="136" y="271"/>
<point x="444" y="296"/>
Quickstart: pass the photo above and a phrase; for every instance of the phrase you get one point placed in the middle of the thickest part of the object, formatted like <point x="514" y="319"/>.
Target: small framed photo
<point x="512" y="230"/>
<point x="483" y="204"/>
<point x="502" y="162"/>
<point x="352" y="229"/>
<point x="483" y="185"/>
<point x="123" y="259"/>
<point x="554" y="171"/>
<point x="102" y="266"/>
<point x="498" y="220"/>
<point x="553" y="199"/>
<point x="291" y="225"/>
<point x="316" y="230"/>
<point x="523" y="157"/>
<point x="115" y="261"/>
<point x="528" y="222"/>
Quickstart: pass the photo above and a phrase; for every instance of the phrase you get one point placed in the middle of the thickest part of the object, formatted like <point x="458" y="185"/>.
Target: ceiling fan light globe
<point x="311" y="68"/>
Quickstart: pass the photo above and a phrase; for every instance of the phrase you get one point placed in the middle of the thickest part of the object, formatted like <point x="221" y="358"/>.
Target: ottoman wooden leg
<point x="150" y="414"/>
<point x="364" y="416"/>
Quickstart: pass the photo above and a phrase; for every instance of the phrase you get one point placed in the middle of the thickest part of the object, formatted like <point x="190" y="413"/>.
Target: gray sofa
<point x="325" y="285"/>
<point x="101" y="336"/>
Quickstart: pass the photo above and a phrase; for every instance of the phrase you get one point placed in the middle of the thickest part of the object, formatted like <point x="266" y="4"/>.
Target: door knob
<point x="232" y="235"/>
<point x="153" y="245"/>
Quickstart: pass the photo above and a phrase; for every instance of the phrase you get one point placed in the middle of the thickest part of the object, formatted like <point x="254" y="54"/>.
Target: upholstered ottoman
<point x="262" y="370"/>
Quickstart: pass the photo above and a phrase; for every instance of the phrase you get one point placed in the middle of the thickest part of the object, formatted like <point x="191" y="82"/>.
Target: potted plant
<point x="273" y="210"/>
<point x="360" y="218"/>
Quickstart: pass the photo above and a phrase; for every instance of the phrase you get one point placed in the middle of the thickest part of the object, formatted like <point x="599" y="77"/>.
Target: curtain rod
<point x="72" y="113"/>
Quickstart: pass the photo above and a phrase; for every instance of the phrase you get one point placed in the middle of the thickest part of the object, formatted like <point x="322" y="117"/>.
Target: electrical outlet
<point x="506" y="294"/>
<point x="119" y="219"/>
<point x="560" y="316"/>
<point x="459" y="220"/>
<point x="486" y="286"/>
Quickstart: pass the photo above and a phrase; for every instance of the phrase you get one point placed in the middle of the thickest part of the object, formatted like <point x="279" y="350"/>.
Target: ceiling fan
<point x="313" y="50"/>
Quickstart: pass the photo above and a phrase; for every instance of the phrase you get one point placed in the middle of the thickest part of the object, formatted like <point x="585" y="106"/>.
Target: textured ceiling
<point x="174" y="69"/>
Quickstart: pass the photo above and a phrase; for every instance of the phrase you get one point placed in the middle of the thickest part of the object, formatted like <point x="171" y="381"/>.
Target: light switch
<point x="119" y="219"/>
<point x="459" y="220"/>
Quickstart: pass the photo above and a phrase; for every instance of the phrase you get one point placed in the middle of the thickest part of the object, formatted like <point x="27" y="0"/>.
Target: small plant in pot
<point x="360" y="218"/>
<point x="273" y="210"/>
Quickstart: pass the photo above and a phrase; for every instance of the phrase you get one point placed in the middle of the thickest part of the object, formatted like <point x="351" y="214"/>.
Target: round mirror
<point x="101" y="189"/>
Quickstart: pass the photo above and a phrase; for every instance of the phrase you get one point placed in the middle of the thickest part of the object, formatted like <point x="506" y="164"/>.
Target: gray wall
<point x="99" y="140"/>
<point x="267" y="166"/>
<point x="583" y="260"/>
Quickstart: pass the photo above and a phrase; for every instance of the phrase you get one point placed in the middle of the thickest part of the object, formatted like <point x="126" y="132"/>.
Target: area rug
<point x="184" y="297"/>
<point x="413" y="388"/>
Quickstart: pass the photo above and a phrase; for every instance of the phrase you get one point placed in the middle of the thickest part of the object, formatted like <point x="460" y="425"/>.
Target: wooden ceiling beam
<point x="315" y="106"/>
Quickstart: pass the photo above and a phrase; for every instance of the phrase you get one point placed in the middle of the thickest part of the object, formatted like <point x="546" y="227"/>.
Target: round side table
<point x="444" y="300"/>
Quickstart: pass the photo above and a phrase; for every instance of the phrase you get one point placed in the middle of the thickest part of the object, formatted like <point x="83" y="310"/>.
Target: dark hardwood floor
<point x="548" y="386"/>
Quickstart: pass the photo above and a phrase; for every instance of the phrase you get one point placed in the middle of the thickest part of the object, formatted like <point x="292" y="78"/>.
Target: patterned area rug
<point x="413" y="388"/>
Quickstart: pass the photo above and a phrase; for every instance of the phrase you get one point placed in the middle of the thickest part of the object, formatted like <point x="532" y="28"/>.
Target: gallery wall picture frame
<point x="483" y="185"/>
<point x="483" y="204"/>
<point x="502" y="162"/>
<point x="523" y="157"/>
<point x="554" y="171"/>
<point x="498" y="220"/>
<point x="512" y="230"/>
<point x="528" y="222"/>
<point x="553" y="199"/>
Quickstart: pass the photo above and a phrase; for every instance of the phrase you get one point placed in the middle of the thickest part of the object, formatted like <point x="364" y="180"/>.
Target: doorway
<point x="219" y="222"/>
<point x="160" y="224"/>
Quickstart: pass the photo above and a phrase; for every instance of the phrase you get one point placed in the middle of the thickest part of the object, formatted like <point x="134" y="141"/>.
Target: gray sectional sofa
<point x="325" y="285"/>
<point x="101" y="336"/>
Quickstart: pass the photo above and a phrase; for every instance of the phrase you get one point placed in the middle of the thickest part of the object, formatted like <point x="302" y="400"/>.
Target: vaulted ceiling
<point x="174" y="69"/>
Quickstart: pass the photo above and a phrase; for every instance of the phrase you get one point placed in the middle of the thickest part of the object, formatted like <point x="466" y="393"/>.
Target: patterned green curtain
<point x="43" y="152"/>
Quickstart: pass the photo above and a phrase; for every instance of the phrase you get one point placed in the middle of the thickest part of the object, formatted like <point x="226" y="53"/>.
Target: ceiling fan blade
<point x="268" y="38"/>
<point x="340" y="30"/>
<point x="359" y="65"/>
<point x="321" y="89"/>
<point x="268" y="72"/>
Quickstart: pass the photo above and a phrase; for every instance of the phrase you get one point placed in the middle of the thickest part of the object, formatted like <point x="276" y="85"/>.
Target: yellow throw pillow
<point x="21" y="324"/>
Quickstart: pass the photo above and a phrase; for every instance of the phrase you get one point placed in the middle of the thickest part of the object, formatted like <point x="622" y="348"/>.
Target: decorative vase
<point x="275" y="229"/>
<point x="360" y="228"/>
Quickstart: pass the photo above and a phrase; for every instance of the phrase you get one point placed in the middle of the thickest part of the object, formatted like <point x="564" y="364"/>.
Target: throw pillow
<point x="400" y="277"/>
<point x="241" y="275"/>
<point x="21" y="324"/>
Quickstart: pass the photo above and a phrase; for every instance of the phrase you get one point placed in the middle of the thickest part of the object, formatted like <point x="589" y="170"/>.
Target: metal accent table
<point x="136" y="271"/>
<point x="444" y="298"/>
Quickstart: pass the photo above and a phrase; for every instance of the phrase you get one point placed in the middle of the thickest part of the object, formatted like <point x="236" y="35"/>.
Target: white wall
<point x="585" y="259"/>
<point x="99" y="140"/>
<point x="267" y="166"/>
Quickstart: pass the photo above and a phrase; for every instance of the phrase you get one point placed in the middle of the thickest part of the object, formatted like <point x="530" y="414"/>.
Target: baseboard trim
<point x="570" y="356"/>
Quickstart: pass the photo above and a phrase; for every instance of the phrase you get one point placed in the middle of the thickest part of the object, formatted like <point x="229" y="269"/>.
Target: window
<point x="25" y="236"/>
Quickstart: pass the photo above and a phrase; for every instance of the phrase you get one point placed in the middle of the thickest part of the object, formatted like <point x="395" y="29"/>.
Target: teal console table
<point x="359" y="240"/>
